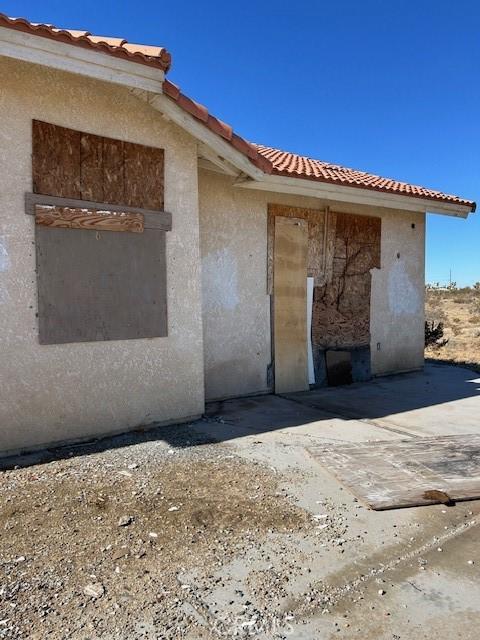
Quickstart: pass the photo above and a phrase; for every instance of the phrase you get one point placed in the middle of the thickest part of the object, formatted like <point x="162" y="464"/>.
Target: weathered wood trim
<point x="161" y="220"/>
<point x="89" y="219"/>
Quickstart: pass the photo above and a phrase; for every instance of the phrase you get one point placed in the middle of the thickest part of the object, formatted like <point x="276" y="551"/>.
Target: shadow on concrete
<point x="419" y="403"/>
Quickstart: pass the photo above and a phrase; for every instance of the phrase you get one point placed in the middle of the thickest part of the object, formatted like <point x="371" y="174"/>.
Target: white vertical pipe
<point x="311" y="370"/>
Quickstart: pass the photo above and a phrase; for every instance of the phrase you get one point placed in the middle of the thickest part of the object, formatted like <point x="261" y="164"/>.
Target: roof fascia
<point x="356" y="195"/>
<point x="67" y="57"/>
<point x="226" y="152"/>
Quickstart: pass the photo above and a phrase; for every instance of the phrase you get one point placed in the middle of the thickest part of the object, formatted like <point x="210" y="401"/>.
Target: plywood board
<point x="89" y="219"/>
<point x="143" y="176"/>
<point x="100" y="286"/>
<point x="341" y="309"/>
<point x="91" y="167"/>
<point x="290" y="304"/>
<point x="405" y="473"/>
<point x="342" y="250"/>
<point x="55" y="160"/>
<point x="113" y="171"/>
<point x="74" y="164"/>
<point x="315" y="219"/>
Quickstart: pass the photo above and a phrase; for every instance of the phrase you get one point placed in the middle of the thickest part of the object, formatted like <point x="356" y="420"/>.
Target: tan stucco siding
<point x="236" y="308"/>
<point x="68" y="391"/>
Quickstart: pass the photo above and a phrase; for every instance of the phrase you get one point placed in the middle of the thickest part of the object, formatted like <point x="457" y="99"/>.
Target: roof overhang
<point x="212" y="147"/>
<point x="214" y="151"/>
<point x="67" y="57"/>
<point x="355" y="195"/>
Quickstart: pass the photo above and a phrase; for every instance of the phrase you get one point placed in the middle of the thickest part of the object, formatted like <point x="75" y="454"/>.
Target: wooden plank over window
<point x="102" y="285"/>
<point x="72" y="164"/>
<point x="88" y="219"/>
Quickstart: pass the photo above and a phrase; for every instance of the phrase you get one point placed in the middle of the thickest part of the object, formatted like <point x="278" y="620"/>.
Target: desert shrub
<point x="434" y="335"/>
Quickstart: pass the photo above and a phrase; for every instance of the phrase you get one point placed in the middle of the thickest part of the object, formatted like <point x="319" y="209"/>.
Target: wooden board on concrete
<point x="290" y="304"/>
<point x="406" y="473"/>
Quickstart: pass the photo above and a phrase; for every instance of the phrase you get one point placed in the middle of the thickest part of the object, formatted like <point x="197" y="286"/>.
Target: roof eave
<point x="355" y="195"/>
<point x="71" y="58"/>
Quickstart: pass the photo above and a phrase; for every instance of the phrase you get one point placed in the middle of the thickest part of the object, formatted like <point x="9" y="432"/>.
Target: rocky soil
<point x="128" y="543"/>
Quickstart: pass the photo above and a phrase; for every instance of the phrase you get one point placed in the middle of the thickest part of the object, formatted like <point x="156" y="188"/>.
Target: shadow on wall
<point x="436" y="385"/>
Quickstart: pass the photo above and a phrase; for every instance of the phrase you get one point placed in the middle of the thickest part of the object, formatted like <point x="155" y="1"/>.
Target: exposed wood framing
<point x="67" y="218"/>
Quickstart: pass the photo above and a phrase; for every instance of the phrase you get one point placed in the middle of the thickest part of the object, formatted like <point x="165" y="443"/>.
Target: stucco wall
<point x="236" y="308"/>
<point x="62" y="392"/>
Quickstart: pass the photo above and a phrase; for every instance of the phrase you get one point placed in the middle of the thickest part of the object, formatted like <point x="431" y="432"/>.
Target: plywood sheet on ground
<point x="404" y="473"/>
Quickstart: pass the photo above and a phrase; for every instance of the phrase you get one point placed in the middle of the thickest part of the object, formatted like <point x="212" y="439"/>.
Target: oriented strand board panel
<point x="143" y="176"/>
<point x="55" y="160"/>
<point x="290" y="304"/>
<point x="406" y="473"/>
<point x="73" y="164"/>
<point x="100" y="286"/>
<point x="341" y="308"/>
<point x="113" y="171"/>
<point x="342" y="249"/>
<point x="92" y="168"/>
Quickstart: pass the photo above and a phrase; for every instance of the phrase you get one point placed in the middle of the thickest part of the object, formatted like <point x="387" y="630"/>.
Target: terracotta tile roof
<point x="219" y="127"/>
<point x="143" y="54"/>
<point x="296" y="166"/>
<point x="267" y="159"/>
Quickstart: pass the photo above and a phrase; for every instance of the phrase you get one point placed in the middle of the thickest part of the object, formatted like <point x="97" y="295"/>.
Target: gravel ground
<point x="104" y="544"/>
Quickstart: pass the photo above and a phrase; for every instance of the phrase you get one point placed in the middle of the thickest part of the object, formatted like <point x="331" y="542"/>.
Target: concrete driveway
<point x="229" y="528"/>
<point x="405" y="574"/>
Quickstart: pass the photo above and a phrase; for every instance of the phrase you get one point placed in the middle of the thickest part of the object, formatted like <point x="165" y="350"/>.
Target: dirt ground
<point x="99" y="545"/>
<point x="459" y="311"/>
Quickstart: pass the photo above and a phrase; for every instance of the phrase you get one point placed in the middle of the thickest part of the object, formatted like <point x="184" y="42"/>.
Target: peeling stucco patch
<point x="403" y="296"/>
<point x="220" y="282"/>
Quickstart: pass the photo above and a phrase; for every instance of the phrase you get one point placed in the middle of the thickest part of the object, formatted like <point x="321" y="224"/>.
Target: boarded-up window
<point x="100" y="237"/>
<point x="79" y="165"/>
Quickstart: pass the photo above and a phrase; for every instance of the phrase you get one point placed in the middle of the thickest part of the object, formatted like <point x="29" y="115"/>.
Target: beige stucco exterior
<point x="236" y="307"/>
<point x="68" y="391"/>
<point x="219" y="330"/>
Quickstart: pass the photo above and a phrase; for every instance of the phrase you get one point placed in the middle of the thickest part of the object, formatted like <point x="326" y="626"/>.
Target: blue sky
<point x="388" y="87"/>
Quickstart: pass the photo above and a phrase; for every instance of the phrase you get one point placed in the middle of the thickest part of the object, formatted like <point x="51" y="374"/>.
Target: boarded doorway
<point x="342" y="250"/>
<point x="290" y="304"/>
